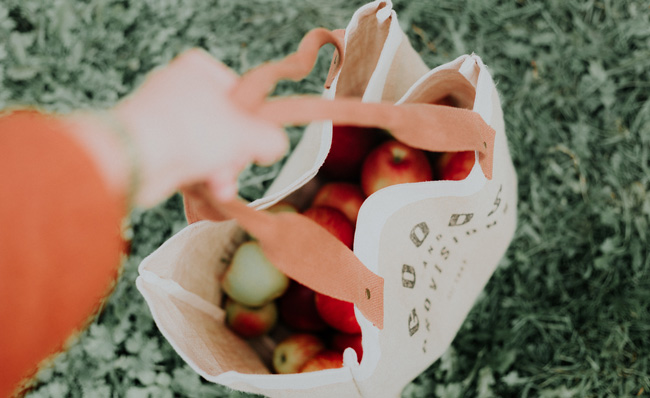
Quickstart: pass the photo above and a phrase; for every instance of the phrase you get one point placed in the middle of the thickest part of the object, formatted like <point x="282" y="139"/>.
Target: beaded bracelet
<point x="128" y="144"/>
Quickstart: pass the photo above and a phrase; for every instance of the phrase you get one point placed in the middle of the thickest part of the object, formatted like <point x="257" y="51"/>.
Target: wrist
<point x="106" y="150"/>
<point x="129" y="149"/>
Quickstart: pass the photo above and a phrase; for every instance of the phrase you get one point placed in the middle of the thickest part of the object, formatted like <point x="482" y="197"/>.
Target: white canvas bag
<point x="426" y="249"/>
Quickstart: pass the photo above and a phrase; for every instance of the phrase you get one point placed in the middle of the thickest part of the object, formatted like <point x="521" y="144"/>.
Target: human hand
<point x="186" y="129"/>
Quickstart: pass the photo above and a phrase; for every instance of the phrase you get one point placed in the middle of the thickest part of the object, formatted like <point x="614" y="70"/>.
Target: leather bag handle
<point x="430" y="127"/>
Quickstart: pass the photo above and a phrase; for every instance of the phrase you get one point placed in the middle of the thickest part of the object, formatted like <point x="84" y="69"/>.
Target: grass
<point x="566" y="313"/>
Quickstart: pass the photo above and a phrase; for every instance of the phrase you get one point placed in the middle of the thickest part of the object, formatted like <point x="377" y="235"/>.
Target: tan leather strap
<point x="305" y="252"/>
<point x="435" y="128"/>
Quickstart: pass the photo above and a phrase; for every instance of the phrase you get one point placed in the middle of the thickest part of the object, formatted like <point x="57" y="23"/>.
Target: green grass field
<point x="566" y="313"/>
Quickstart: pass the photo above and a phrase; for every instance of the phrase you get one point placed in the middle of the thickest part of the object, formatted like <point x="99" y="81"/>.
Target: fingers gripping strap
<point x="306" y="252"/>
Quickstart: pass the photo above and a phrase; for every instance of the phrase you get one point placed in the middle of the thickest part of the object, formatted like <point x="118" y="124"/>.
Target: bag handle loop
<point x="254" y="86"/>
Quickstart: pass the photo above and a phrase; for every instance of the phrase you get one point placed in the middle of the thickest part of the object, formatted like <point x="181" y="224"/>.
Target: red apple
<point x="341" y="341"/>
<point x="297" y="309"/>
<point x="323" y="360"/>
<point x="292" y="353"/>
<point x="394" y="163"/>
<point x="250" y="322"/>
<point x="350" y="145"/>
<point x="337" y="313"/>
<point x="334" y="222"/>
<point x="343" y="196"/>
<point x="456" y="165"/>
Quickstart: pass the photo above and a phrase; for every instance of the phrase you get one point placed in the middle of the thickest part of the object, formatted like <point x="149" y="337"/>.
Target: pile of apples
<point x="260" y="297"/>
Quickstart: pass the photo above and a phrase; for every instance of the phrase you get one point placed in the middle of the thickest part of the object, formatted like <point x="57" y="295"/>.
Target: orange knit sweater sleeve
<point x="59" y="241"/>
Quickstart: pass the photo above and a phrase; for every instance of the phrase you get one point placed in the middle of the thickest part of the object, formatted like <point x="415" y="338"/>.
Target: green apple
<point x="251" y="279"/>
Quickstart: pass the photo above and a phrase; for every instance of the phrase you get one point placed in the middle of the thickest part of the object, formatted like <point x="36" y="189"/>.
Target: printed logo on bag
<point x="443" y="250"/>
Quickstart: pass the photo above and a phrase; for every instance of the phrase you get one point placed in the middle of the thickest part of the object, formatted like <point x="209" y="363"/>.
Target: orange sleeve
<point x="59" y="241"/>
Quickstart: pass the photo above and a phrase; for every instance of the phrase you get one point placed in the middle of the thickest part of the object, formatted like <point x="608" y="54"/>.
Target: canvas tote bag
<point x="422" y="252"/>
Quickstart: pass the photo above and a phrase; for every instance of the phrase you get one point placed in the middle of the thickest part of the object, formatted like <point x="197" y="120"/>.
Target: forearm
<point x="107" y="149"/>
<point x="60" y="247"/>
